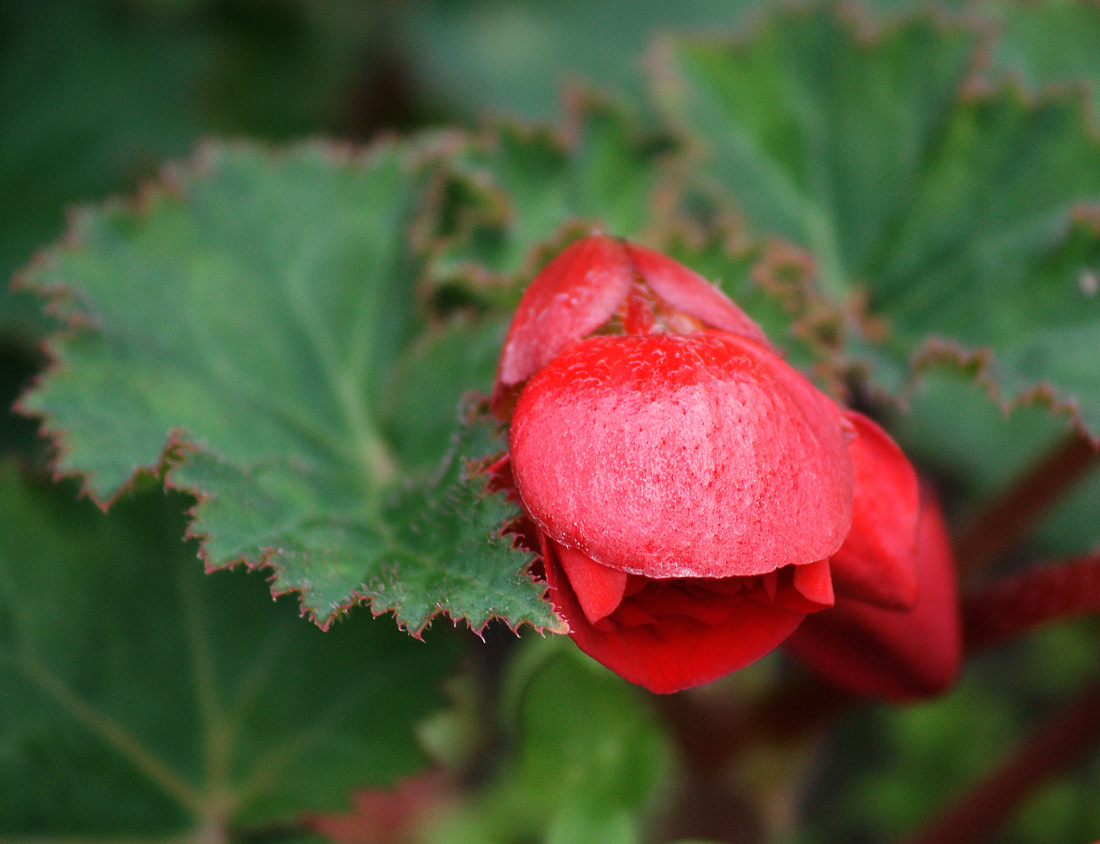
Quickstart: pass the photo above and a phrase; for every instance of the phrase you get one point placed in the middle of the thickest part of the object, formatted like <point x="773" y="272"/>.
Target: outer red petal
<point x="894" y="654"/>
<point x="679" y="651"/>
<point x="576" y="293"/>
<point x="690" y="293"/>
<point x="673" y="456"/>
<point x="877" y="562"/>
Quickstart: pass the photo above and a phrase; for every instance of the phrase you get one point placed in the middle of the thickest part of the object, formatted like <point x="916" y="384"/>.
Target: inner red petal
<point x="599" y="589"/>
<point x="815" y="582"/>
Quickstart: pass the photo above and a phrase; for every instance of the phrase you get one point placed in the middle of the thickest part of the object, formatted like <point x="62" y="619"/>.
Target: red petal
<point x="675" y="651"/>
<point x="804" y="589"/>
<point x="576" y="293"/>
<point x="877" y="562"/>
<point x="690" y="293"/>
<point x="815" y="583"/>
<point x="895" y="654"/>
<point x="599" y="590"/>
<point x="682" y="456"/>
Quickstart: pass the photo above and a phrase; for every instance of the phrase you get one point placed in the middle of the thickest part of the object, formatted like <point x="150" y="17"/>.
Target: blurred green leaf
<point x="590" y="757"/>
<point x="587" y="740"/>
<point x="447" y="363"/>
<point x="89" y="104"/>
<point x="241" y="329"/>
<point x="816" y="132"/>
<point x="962" y="213"/>
<point x="512" y="56"/>
<point x="143" y="698"/>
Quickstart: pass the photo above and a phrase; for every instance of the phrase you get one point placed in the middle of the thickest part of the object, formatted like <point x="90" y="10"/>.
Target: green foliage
<point x="985" y="449"/>
<point x="96" y="94"/>
<point x="241" y="330"/>
<point x="142" y="698"/>
<point x="514" y="197"/>
<point x="1050" y="43"/>
<point x="512" y="57"/>
<point x="589" y="757"/>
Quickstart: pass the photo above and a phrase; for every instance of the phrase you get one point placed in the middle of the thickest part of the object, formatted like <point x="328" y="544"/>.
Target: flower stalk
<point x="1019" y="603"/>
<point x="1069" y="734"/>
<point x="1014" y="512"/>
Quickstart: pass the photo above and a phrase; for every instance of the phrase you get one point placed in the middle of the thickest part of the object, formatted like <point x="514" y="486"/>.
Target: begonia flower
<point x="693" y="497"/>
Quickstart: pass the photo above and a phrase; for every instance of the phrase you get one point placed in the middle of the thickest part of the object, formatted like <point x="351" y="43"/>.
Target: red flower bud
<point x="688" y="489"/>
<point x="587" y="285"/>
<point x="891" y="653"/>
<point x="876" y="562"/>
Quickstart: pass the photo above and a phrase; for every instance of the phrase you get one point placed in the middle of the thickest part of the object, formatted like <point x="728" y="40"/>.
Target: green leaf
<point x="516" y="196"/>
<point x="587" y="740"/>
<point x="1048" y="43"/>
<point x="249" y="328"/>
<point x="143" y="698"/>
<point x="959" y="212"/>
<point x="444" y="366"/>
<point x="436" y="546"/>
<point x="511" y="58"/>
<point x="984" y="450"/>
<point x="590" y="757"/>
<point x="813" y="130"/>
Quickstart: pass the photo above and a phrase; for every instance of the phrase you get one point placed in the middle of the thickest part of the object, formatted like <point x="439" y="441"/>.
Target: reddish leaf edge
<point x="356" y="597"/>
<point x="980" y="365"/>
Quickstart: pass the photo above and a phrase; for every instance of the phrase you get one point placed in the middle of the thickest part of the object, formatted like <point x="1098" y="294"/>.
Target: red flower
<point x="693" y="497"/>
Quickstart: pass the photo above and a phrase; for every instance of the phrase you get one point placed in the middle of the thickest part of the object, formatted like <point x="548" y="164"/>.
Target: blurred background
<point x="96" y="94"/>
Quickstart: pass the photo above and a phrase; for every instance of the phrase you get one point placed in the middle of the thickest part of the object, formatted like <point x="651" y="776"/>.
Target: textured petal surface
<point x="669" y="456"/>
<point x="894" y="654"/>
<point x="676" y="650"/>
<point x="575" y="294"/>
<point x="690" y="293"/>
<point x="877" y="562"/>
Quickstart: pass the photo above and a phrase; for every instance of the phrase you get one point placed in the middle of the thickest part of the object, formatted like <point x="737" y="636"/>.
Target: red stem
<point x="1013" y="513"/>
<point x="1064" y="739"/>
<point x="1032" y="597"/>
